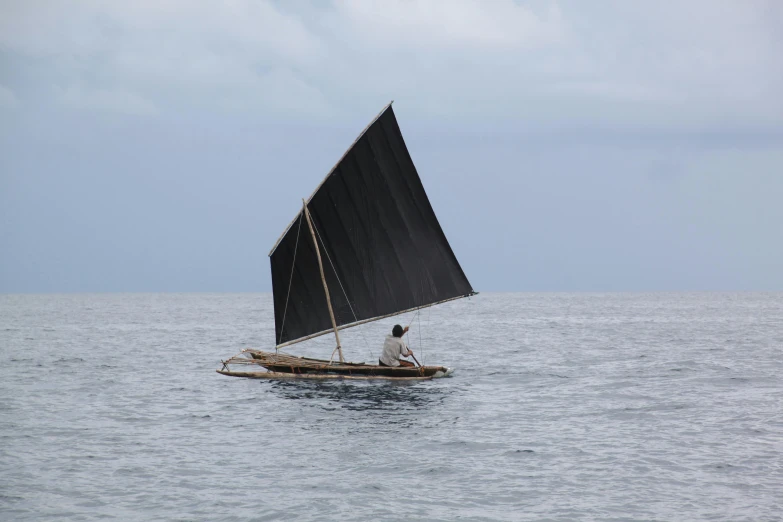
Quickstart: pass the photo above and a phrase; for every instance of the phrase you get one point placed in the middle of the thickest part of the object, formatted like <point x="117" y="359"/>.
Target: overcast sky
<point x="565" y="145"/>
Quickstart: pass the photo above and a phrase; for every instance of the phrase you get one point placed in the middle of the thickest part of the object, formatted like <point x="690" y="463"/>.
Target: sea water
<point x="662" y="406"/>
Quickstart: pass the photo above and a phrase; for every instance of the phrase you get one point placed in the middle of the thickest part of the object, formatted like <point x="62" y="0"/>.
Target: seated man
<point x="393" y="347"/>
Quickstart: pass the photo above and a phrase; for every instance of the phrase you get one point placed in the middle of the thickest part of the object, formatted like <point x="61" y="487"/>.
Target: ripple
<point x="564" y="407"/>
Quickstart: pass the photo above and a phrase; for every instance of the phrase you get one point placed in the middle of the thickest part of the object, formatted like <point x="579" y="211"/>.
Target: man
<point x="394" y="347"/>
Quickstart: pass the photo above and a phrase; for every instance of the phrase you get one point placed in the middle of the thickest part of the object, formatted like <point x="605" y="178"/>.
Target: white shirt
<point x="393" y="348"/>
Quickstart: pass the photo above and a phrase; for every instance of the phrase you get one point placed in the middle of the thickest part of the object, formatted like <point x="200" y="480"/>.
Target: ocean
<point x="619" y="406"/>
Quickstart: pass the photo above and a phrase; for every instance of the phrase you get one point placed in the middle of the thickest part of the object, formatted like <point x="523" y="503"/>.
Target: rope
<point x="367" y="345"/>
<point x="414" y="317"/>
<point x="331" y="357"/>
<point x="429" y="325"/>
<point x="290" y="280"/>
<point x="408" y="337"/>
<point x="421" y="346"/>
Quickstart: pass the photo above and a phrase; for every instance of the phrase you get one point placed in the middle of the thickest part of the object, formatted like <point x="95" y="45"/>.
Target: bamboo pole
<point x="323" y="280"/>
<point x="321" y="376"/>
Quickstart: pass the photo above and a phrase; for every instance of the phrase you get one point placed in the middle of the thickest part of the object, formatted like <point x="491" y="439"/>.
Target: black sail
<point x="382" y="247"/>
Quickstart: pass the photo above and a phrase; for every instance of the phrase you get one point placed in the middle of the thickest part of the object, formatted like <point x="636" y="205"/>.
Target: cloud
<point x="457" y="24"/>
<point x="702" y="64"/>
<point x="139" y="57"/>
<point x="8" y="99"/>
<point x="171" y="28"/>
<point x="105" y="100"/>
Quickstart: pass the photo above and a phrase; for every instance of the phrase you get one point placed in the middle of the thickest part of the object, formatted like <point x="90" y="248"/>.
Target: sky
<point x="163" y="146"/>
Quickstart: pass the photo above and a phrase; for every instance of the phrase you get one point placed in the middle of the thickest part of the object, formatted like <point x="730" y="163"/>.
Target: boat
<point x="365" y="246"/>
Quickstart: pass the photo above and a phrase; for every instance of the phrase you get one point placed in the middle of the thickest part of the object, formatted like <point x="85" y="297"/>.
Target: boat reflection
<point x="362" y="396"/>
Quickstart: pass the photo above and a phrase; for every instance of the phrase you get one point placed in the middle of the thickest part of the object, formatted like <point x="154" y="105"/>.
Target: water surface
<point x="562" y="407"/>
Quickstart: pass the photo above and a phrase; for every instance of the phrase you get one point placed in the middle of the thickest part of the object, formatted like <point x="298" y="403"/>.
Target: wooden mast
<point x="323" y="280"/>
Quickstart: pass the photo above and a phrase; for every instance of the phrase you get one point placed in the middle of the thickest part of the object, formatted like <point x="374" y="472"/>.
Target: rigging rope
<point x="421" y="346"/>
<point x="429" y="325"/>
<point x="408" y="337"/>
<point x="340" y="282"/>
<point x="290" y="280"/>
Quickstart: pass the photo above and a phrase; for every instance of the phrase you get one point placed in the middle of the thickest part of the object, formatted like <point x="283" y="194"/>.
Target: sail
<point x="382" y="247"/>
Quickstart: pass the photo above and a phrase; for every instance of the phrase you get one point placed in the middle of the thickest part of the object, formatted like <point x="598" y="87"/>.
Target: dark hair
<point x="397" y="331"/>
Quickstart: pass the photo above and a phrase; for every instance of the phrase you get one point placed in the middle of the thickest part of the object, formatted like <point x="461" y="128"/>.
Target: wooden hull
<point x="285" y="366"/>
<point x="318" y="376"/>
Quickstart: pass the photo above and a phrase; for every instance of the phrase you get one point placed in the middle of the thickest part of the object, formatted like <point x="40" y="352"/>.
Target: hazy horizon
<point x="565" y="147"/>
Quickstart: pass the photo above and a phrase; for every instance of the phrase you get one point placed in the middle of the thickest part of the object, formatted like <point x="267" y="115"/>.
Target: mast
<point x="323" y="280"/>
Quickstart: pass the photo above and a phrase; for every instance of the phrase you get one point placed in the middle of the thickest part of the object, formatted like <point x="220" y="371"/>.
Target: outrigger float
<point x="387" y="252"/>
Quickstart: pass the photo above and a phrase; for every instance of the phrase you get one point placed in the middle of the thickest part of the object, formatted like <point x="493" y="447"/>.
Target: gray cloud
<point x="7" y="98"/>
<point x="699" y="63"/>
<point x="565" y="145"/>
